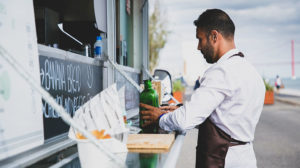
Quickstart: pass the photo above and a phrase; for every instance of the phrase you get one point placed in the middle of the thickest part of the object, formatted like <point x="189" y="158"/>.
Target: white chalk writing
<point x="73" y="76"/>
<point x="70" y="105"/>
<point x="90" y="76"/>
<point x="66" y="84"/>
<point x="53" y="77"/>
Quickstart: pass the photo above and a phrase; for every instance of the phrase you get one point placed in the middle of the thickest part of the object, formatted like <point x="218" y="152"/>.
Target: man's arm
<point x="212" y="92"/>
<point x="204" y="101"/>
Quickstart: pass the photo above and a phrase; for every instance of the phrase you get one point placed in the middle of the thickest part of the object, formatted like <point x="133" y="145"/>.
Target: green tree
<point x="157" y="35"/>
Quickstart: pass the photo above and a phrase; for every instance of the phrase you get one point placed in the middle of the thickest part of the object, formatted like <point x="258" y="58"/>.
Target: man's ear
<point x="214" y="35"/>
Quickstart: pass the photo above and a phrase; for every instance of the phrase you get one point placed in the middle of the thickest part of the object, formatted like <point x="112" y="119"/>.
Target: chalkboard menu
<point x="71" y="84"/>
<point x="132" y="95"/>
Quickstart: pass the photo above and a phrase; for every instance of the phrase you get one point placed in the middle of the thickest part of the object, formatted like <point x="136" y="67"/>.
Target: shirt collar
<point x="227" y="55"/>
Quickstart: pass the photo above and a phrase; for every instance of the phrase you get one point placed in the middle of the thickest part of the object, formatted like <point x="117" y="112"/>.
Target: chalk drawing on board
<point x="90" y="76"/>
<point x="71" y="84"/>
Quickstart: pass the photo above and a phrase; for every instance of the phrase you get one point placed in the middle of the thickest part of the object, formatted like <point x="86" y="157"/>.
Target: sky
<point x="264" y="30"/>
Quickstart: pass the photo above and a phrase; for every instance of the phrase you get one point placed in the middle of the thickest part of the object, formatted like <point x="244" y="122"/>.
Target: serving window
<point x="76" y="17"/>
<point x="124" y="34"/>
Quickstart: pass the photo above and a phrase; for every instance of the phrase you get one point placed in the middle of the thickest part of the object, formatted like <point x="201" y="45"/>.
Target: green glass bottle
<point x="148" y="160"/>
<point x="150" y="97"/>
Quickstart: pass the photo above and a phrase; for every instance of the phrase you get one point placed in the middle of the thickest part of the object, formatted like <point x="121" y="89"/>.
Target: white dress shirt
<point x="231" y="92"/>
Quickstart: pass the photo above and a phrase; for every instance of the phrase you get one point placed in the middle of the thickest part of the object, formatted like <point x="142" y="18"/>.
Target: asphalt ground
<point x="293" y="100"/>
<point x="187" y="157"/>
<point x="277" y="136"/>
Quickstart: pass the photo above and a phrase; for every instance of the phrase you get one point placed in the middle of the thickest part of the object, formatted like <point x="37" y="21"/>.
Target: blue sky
<point x="264" y="30"/>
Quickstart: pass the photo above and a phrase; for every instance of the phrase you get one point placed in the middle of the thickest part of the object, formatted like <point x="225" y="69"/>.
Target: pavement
<point x="268" y="142"/>
<point x="187" y="156"/>
<point x="289" y="96"/>
<point x="277" y="138"/>
<point x="288" y="92"/>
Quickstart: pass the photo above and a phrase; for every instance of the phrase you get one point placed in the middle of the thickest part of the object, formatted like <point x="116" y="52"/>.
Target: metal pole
<point x="293" y="61"/>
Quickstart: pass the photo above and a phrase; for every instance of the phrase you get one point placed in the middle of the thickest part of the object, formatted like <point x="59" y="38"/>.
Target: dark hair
<point x="216" y="19"/>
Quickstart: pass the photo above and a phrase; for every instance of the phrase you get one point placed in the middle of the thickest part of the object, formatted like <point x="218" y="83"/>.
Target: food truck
<point x="53" y="41"/>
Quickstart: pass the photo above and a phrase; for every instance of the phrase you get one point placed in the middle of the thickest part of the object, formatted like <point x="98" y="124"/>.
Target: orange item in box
<point x="80" y="136"/>
<point x="96" y="133"/>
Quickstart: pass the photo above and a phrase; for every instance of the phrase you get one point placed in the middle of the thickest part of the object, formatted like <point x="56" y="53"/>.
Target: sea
<point x="288" y="83"/>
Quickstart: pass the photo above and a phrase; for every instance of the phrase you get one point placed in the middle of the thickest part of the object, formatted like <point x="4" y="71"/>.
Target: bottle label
<point x="98" y="51"/>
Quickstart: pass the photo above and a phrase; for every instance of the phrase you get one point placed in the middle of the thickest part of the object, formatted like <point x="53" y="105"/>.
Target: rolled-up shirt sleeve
<point x="212" y="91"/>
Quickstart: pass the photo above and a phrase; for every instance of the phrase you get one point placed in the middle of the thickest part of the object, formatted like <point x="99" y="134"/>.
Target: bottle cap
<point x="99" y="38"/>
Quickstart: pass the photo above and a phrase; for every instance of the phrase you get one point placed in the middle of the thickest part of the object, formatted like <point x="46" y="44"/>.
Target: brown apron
<point x="213" y="144"/>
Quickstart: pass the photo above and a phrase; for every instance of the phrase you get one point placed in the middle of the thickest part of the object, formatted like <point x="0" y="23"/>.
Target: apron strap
<point x="238" y="54"/>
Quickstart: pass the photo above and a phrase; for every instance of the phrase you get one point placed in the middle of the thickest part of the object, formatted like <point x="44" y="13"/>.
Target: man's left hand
<point x="150" y="114"/>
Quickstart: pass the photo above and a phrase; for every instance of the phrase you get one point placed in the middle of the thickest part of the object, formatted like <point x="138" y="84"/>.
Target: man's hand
<point x="150" y="114"/>
<point x="168" y="108"/>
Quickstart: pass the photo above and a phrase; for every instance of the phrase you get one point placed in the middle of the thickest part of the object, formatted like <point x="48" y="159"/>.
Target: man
<point x="228" y="103"/>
